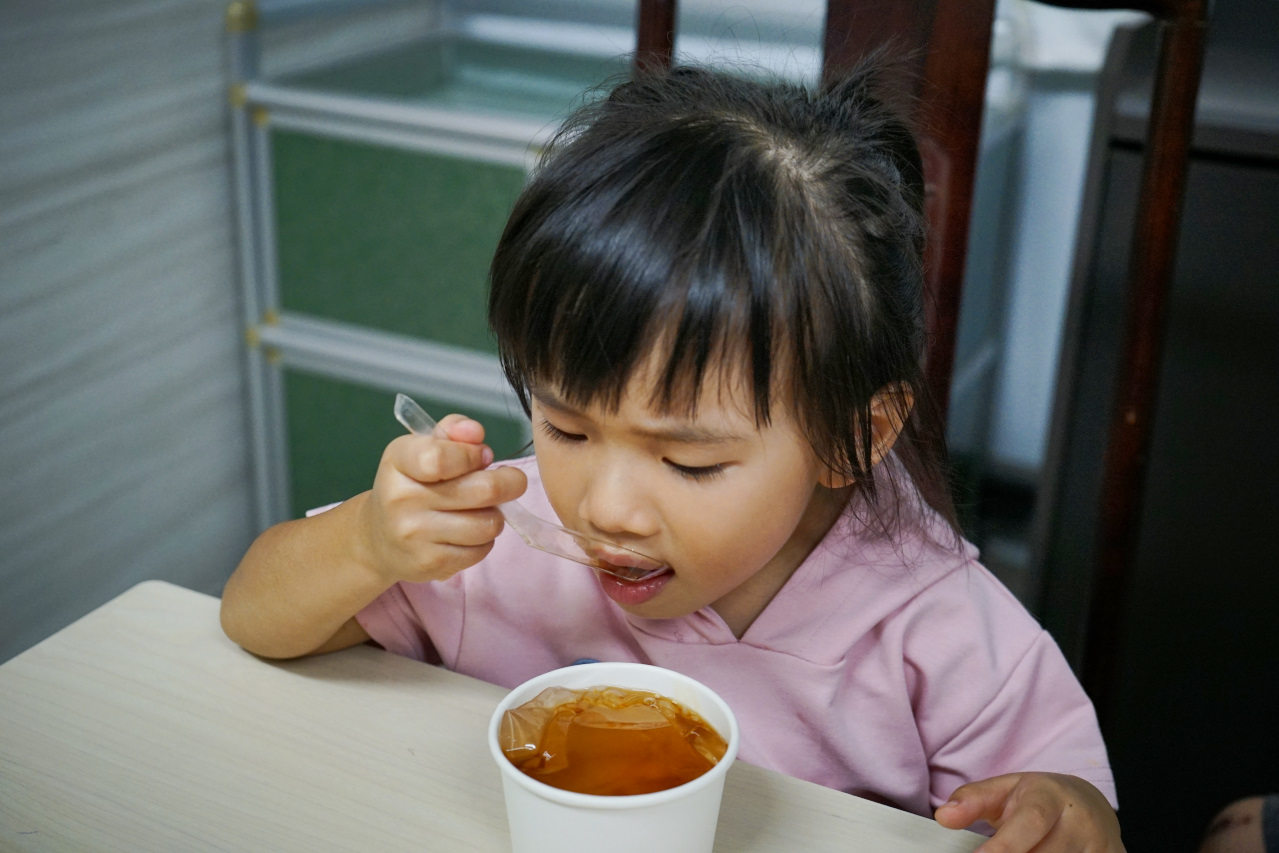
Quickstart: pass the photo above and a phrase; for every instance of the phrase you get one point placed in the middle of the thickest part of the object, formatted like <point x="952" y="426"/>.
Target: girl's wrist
<point x="362" y="553"/>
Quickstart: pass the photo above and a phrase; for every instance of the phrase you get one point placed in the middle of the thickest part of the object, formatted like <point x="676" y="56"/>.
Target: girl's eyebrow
<point x="683" y="433"/>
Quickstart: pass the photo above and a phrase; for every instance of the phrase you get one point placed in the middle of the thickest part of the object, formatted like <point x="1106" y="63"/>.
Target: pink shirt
<point x="895" y="671"/>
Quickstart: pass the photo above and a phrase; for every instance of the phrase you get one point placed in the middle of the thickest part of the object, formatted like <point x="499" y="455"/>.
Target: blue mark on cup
<point x="584" y="660"/>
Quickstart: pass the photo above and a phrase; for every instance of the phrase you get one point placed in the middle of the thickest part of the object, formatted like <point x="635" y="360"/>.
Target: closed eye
<point x="697" y="473"/>
<point x="558" y="434"/>
<point x="700" y="473"/>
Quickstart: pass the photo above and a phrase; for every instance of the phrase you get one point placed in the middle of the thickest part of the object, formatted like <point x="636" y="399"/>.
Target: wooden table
<point x="142" y="727"/>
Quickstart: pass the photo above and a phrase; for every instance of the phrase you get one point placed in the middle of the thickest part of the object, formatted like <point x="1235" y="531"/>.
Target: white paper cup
<point x="544" y="819"/>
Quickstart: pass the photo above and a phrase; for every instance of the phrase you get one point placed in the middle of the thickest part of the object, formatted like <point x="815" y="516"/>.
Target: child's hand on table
<point x="432" y="510"/>
<point x="1044" y="812"/>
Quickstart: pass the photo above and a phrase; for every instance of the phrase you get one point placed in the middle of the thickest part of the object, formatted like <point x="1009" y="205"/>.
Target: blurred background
<point x="217" y="221"/>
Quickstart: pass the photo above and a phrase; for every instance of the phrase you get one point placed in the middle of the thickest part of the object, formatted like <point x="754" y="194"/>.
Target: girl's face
<point x="731" y="508"/>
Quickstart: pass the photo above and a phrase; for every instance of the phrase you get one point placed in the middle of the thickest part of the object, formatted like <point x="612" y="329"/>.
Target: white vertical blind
<point x="122" y="446"/>
<point x="122" y="418"/>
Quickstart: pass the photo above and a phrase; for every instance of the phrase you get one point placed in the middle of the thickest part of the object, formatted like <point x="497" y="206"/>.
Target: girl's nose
<point x="616" y="502"/>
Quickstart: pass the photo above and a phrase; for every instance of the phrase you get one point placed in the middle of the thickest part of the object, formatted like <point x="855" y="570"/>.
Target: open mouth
<point x="625" y="564"/>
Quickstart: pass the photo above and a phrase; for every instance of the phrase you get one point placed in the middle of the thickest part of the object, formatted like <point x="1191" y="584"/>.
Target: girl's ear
<point x="889" y="409"/>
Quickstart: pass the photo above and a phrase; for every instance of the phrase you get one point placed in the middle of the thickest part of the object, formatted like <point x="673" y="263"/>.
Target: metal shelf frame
<point x="277" y="339"/>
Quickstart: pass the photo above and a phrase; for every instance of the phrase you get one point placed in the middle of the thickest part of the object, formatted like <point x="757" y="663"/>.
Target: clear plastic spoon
<point x="620" y="562"/>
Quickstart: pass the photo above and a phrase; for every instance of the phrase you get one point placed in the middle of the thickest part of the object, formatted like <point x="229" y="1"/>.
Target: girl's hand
<point x="432" y="509"/>
<point x="1044" y="812"/>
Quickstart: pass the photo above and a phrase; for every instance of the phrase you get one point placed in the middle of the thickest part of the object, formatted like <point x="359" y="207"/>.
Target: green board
<point x="396" y="240"/>
<point x="453" y="72"/>
<point x="337" y="432"/>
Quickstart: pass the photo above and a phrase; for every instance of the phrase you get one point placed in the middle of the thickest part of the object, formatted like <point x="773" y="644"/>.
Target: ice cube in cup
<point x="684" y="817"/>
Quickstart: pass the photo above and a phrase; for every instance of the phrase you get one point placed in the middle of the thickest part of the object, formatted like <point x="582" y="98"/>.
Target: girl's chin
<point x="630" y="594"/>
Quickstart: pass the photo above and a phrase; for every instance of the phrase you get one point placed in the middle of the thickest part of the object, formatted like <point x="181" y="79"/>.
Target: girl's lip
<point x="633" y="593"/>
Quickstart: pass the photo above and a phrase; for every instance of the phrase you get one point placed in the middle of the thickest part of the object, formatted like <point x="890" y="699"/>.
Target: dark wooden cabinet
<point x="1194" y="720"/>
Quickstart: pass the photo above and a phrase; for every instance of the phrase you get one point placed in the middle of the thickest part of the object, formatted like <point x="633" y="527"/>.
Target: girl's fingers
<point x="1035" y="813"/>
<point x="1034" y="825"/>
<point x="460" y="428"/>
<point x="984" y="800"/>
<point x="455" y="447"/>
<point x="479" y="489"/>
<point x="428" y="459"/>
<point x="464" y="528"/>
<point x="429" y="474"/>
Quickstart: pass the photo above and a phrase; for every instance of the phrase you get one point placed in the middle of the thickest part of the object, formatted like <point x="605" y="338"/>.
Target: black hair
<point x="727" y="221"/>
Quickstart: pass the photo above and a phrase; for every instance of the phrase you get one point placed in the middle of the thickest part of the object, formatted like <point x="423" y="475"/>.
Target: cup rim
<point x="535" y="685"/>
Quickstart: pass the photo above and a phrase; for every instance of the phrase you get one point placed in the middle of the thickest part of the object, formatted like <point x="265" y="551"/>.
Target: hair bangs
<point x="656" y="262"/>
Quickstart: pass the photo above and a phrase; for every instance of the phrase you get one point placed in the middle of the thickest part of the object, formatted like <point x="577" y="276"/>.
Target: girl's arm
<point x="430" y="514"/>
<point x="300" y="585"/>
<point x="1044" y="812"/>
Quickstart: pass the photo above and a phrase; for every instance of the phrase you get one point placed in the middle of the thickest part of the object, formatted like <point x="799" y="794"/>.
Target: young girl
<point x="709" y="301"/>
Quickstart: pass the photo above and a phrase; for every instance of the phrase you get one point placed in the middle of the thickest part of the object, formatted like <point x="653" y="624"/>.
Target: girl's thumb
<point x="984" y="800"/>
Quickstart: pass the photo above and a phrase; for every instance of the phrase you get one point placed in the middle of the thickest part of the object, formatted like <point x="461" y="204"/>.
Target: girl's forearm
<point x="299" y="583"/>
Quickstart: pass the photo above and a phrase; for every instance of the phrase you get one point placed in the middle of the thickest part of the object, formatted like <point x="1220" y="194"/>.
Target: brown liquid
<point x="609" y="741"/>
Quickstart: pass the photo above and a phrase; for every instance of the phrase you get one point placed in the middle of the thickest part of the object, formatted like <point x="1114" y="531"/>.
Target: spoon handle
<point x="413" y="417"/>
